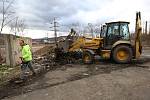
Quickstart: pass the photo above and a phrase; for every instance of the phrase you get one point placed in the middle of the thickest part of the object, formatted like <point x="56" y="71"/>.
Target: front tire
<point x="122" y="54"/>
<point x="88" y="58"/>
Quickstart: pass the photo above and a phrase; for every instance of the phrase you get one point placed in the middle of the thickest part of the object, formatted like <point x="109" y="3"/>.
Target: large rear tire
<point x="122" y="54"/>
<point x="88" y="58"/>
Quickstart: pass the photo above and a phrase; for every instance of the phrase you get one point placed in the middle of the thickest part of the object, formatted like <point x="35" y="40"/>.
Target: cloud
<point x="34" y="11"/>
<point x="38" y="13"/>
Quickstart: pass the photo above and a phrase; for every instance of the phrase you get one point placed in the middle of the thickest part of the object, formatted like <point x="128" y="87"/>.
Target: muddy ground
<point x="66" y="74"/>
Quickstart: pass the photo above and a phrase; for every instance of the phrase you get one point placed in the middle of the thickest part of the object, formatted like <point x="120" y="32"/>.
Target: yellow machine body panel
<point x="94" y="43"/>
<point x="86" y="43"/>
<point x="77" y="44"/>
<point x="122" y="42"/>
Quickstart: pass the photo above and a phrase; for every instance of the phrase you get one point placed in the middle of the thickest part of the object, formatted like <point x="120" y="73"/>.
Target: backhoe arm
<point x="138" y="32"/>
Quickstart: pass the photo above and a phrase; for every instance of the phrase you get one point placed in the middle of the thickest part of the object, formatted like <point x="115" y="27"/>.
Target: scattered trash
<point x="29" y="90"/>
<point x="85" y="74"/>
<point x="96" y="68"/>
<point x="46" y="94"/>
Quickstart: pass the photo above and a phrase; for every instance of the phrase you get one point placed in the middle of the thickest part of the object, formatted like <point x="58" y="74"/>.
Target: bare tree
<point x="17" y="25"/>
<point x="21" y="25"/>
<point x="92" y="29"/>
<point x="78" y="27"/>
<point x="7" y="13"/>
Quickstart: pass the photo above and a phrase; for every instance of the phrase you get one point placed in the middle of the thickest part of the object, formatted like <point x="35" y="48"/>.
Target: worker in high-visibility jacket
<point x="26" y="59"/>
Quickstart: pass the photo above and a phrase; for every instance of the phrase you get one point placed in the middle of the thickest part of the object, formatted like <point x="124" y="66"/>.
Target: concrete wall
<point x="2" y="49"/>
<point x="10" y="49"/>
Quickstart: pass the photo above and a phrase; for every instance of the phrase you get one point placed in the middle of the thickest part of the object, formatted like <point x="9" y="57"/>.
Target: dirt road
<point x="102" y="81"/>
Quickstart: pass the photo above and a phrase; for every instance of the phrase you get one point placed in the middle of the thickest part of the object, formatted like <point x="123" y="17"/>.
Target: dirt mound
<point x="44" y="50"/>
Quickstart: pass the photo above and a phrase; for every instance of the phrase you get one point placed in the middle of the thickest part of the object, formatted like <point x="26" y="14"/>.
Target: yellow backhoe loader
<point x="114" y="43"/>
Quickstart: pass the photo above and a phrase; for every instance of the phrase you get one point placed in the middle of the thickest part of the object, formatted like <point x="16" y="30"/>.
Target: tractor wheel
<point x="88" y="58"/>
<point x="122" y="54"/>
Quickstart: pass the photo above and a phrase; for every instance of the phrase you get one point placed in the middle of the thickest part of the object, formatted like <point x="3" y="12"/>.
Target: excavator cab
<point x="115" y="31"/>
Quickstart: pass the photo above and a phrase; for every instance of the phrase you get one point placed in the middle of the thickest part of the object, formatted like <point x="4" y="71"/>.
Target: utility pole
<point x="149" y="28"/>
<point x="146" y="28"/>
<point x="143" y="31"/>
<point x="55" y="26"/>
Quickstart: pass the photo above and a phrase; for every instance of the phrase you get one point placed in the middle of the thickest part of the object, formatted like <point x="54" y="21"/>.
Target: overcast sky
<point x="39" y="13"/>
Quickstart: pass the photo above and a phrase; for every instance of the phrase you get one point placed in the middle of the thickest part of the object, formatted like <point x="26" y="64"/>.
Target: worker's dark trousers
<point x="24" y="67"/>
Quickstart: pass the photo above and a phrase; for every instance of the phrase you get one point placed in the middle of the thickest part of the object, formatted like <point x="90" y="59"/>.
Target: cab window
<point x="124" y="31"/>
<point x="113" y="29"/>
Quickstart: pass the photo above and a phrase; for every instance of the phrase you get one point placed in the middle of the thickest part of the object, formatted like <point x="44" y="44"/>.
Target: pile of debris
<point x="44" y="50"/>
<point x="46" y="61"/>
<point x="51" y="61"/>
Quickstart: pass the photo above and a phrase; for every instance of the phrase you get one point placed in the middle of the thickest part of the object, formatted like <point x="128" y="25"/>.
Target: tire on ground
<point x="122" y="59"/>
<point x="88" y="58"/>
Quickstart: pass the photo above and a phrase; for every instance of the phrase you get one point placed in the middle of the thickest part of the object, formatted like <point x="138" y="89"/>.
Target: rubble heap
<point x="49" y="60"/>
